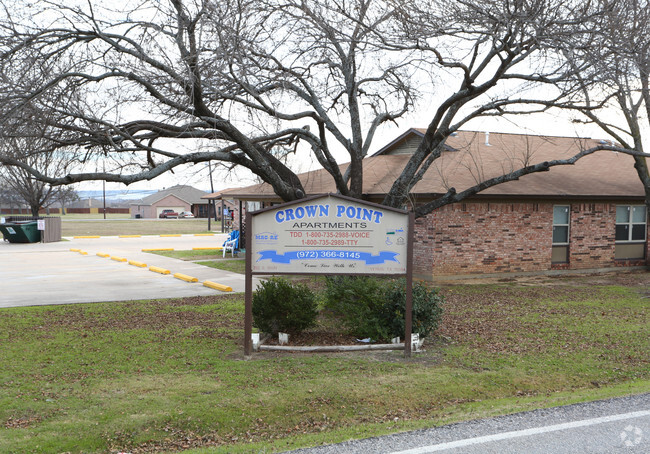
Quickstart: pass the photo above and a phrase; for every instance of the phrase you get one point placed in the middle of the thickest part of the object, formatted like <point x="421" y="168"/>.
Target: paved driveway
<point x="41" y="274"/>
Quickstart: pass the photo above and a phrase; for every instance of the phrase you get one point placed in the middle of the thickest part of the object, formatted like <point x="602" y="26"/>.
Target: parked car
<point x="168" y="214"/>
<point x="185" y="214"/>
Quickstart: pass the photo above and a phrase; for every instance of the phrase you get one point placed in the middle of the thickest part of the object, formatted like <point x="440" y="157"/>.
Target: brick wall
<point x="500" y="237"/>
<point x="592" y="234"/>
<point x="473" y="238"/>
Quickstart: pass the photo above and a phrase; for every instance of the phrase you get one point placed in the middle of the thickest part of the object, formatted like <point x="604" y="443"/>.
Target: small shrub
<point x="280" y="306"/>
<point x="358" y="302"/>
<point x="427" y="308"/>
<point x="372" y="308"/>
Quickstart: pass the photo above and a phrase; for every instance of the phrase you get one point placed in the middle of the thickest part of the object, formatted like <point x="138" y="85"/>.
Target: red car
<point x="168" y="214"/>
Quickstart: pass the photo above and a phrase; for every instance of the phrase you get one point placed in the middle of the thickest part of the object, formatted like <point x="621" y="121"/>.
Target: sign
<point x="2" y="220"/>
<point x="40" y="224"/>
<point x="330" y="235"/>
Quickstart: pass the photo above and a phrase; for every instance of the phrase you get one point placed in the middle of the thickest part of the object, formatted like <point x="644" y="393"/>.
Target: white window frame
<point x="630" y="223"/>
<point x="568" y="226"/>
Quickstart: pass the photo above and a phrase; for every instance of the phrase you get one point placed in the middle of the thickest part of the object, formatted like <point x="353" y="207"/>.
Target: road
<point x="611" y="426"/>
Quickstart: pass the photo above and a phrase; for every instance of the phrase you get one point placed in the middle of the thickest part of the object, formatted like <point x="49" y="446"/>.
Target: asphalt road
<point x="612" y="426"/>
<point x="49" y="273"/>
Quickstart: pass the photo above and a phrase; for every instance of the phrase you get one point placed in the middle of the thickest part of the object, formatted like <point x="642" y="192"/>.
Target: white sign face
<point x="329" y="235"/>
<point x="40" y="224"/>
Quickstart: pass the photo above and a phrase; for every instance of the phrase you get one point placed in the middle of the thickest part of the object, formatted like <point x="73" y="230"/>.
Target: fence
<point x="25" y="211"/>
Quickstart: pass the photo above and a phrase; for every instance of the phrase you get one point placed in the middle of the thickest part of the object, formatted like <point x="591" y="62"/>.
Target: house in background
<point x="590" y="215"/>
<point x="178" y="198"/>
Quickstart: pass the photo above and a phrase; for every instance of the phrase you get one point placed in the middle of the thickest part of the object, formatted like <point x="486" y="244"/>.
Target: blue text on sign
<point x="311" y="211"/>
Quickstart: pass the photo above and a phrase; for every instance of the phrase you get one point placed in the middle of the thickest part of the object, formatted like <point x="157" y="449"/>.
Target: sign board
<point x="2" y="220"/>
<point x="40" y="224"/>
<point x="330" y="235"/>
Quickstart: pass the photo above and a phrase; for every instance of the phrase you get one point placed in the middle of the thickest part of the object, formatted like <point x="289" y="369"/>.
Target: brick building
<point x="590" y="215"/>
<point x="178" y="198"/>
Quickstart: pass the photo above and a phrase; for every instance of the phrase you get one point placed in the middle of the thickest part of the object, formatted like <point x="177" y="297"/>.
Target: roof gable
<point x="407" y="143"/>
<point x="187" y="194"/>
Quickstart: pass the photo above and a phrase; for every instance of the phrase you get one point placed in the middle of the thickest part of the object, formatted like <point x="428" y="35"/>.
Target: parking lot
<point x="50" y="273"/>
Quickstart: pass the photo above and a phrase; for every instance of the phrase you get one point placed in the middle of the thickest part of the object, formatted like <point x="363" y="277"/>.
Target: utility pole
<point x="104" y="191"/>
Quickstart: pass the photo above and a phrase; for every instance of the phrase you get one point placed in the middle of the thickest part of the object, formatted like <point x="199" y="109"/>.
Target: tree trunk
<point x="356" y="176"/>
<point x="641" y="166"/>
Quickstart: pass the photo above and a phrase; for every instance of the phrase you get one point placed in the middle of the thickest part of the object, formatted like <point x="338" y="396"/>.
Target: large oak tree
<point x="150" y="87"/>
<point x="614" y="80"/>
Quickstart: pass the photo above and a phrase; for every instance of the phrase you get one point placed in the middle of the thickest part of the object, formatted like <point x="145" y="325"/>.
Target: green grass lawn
<point x="215" y="256"/>
<point x="233" y="265"/>
<point x="112" y="227"/>
<point x="194" y="254"/>
<point x="152" y="376"/>
<point x="77" y="216"/>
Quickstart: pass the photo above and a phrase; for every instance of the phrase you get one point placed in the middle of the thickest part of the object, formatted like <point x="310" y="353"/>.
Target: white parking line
<point x="523" y="433"/>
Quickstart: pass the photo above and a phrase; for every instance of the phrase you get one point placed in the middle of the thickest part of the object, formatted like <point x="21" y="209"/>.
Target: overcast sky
<point x="198" y="176"/>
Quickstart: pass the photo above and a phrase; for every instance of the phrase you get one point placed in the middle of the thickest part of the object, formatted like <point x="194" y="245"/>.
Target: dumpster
<point x="21" y="232"/>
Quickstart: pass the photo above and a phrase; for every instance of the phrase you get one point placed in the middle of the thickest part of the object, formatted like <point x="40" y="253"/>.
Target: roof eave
<point x="539" y="196"/>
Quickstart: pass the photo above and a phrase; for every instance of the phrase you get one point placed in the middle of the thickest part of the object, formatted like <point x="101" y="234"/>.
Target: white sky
<point x="198" y="176"/>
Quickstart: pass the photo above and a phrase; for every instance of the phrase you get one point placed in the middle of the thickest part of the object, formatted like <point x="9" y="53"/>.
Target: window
<point x="561" y="216"/>
<point x="561" y="224"/>
<point x="630" y="223"/>
<point x="630" y="232"/>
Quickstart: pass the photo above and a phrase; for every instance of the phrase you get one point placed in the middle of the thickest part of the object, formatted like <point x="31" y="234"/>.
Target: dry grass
<point x="166" y="376"/>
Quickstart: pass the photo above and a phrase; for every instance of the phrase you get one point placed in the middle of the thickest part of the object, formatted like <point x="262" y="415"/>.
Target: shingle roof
<point x="604" y="174"/>
<point x="220" y="194"/>
<point x="186" y="193"/>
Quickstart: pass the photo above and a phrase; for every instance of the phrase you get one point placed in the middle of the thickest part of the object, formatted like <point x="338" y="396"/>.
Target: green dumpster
<point x="21" y="232"/>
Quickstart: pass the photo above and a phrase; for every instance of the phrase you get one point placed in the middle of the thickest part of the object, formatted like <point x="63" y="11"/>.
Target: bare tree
<point x="25" y="140"/>
<point x="325" y="64"/>
<point x="246" y="80"/>
<point x="65" y="195"/>
<point x="34" y="193"/>
<point x="22" y="184"/>
<point x="138" y="80"/>
<point x="503" y="61"/>
<point x="614" y="86"/>
<point x="8" y="197"/>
